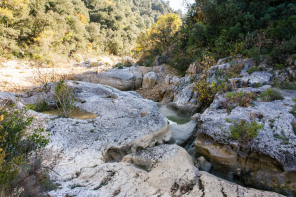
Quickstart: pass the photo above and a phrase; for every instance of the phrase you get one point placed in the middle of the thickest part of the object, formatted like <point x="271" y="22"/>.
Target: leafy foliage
<point x="63" y="95"/>
<point x="155" y="40"/>
<point x="293" y="111"/>
<point x="243" y="99"/>
<point x="271" y="95"/>
<point x="254" y="28"/>
<point x="39" y="29"/>
<point x="15" y="148"/>
<point x="244" y="131"/>
<point x="202" y="87"/>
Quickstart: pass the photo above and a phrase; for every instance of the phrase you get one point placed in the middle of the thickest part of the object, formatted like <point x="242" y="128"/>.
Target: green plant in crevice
<point x="253" y="69"/>
<point x="293" y="110"/>
<point x="289" y="85"/>
<point x="63" y="95"/>
<point x="244" y="131"/>
<point x="242" y="98"/>
<point x="271" y="95"/>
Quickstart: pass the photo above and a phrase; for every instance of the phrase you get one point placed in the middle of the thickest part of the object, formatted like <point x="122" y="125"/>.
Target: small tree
<point x="63" y="95"/>
<point x="16" y="147"/>
<point x="160" y="36"/>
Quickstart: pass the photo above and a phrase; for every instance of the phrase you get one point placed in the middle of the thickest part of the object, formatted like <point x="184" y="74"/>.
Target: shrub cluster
<point x="271" y="95"/>
<point x="20" y="172"/>
<point x="63" y="95"/>
<point x="244" y="131"/>
<point x="242" y="98"/>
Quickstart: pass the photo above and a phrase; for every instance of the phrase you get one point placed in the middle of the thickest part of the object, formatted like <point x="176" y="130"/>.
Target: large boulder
<point x="259" y="77"/>
<point x="123" y="79"/>
<point x="149" y="80"/>
<point x="165" y="170"/>
<point x="269" y="160"/>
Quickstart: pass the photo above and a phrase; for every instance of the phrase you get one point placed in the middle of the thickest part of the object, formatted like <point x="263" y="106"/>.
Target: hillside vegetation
<point x="39" y="29"/>
<point x="252" y="28"/>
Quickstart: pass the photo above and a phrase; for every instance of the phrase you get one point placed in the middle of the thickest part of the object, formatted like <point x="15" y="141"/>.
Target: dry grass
<point x="43" y="76"/>
<point x="12" y="87"/>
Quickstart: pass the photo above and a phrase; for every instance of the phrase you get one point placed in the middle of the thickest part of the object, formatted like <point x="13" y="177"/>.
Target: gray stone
<point x="174" y="80"/>
<point x="122" y="79"/>
<point x="158" y="61"/>
<point x="165" y="170"/>
<point x="223" y="60"/>
<point x="273" y="146"/>
<point x="150" y="80"/>
<point x="203" y="164"/>
<point x="167" y="80"/>
<point x="259" y="77"/>
<point x="110" y="155"/>
<point x="125" y="123"/>
<point x="181" y="133"/>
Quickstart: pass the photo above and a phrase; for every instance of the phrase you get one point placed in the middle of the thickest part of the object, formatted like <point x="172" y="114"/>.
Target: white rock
<point x="149" y="80"/>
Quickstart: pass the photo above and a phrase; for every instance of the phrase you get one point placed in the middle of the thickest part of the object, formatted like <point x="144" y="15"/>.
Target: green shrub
<point x="243" y="99"/>
<point x="244" y="131"/>
<point x="279" y="66"/>
<point x="63" y="95"/>
<point x="252" y="69"/>
<point x="16" y="147"/>
<point x="293" y="111"/>
<point x="289" y="85"/>
<point x="40" y="106"/>
<point x="271" y="95"/>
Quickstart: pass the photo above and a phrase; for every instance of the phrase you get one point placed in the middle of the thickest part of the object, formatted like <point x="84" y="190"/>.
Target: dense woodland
<point x="38" y="29"/>
<point x="261" y="29"/>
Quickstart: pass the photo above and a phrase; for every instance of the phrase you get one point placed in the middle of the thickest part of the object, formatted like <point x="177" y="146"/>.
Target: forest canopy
<point x="252" y="28"/>
<point x="40" y="28"/>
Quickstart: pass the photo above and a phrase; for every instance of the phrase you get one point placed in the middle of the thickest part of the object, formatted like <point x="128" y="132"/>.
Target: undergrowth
<point x="21" y="173"/>
<point x="271" y="95"/>
<point x="244" y="131"/>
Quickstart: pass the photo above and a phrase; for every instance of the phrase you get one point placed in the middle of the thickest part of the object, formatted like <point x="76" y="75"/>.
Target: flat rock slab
<point x="270" y="157"/>
<point x="125" y="123"/>
<point x="122" y="79"/>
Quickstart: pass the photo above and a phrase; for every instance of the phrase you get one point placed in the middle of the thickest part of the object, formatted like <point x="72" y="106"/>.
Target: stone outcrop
<point x="123" y="79"/>
<point x="165" y="170"/>
<point x="269" y="160"/>
<point x="149" y="80"/>
<point x="118" y="153"/>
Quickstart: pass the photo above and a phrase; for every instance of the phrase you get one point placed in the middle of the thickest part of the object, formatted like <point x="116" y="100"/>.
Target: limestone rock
<point x="259" y="77"/>
<point x="165" y="170"/>
<point x="181" y="133"/>
<point x="167" y="80"/>
<point x="203" y="164"/>
<point x="122" y="79"/>
<point x="149" y="80"/>
<point x="125" y="123"/>
<point x="274" y="146"/>
<point x="174" y="80"/>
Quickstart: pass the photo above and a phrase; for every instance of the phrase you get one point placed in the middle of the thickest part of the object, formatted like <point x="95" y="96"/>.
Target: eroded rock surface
<point x="150" y="80"/>
<point x="165" y="170"/>
<point x="270" y="159"/>
<point x="111" y="156"/>
<point x="122" y="79"/>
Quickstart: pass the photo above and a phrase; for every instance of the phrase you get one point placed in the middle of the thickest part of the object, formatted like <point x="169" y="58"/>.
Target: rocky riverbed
<point x="132" y="146"/>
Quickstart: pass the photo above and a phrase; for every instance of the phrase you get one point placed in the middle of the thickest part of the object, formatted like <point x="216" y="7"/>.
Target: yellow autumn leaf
<point x="2" y="117"/>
